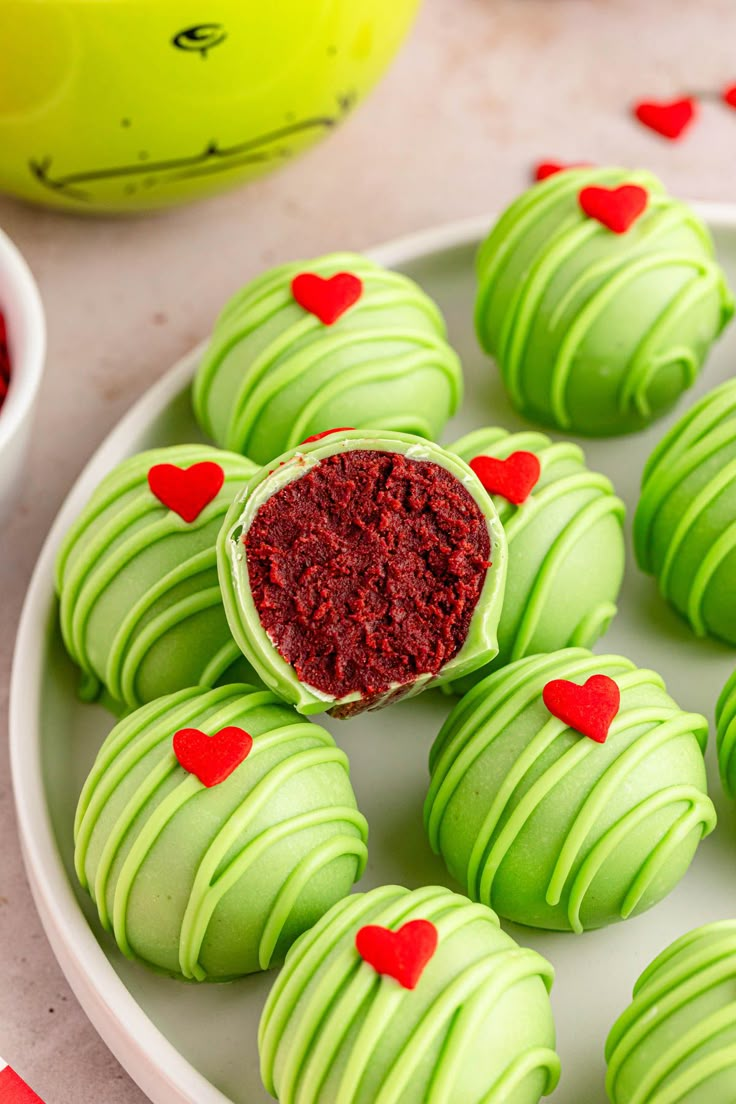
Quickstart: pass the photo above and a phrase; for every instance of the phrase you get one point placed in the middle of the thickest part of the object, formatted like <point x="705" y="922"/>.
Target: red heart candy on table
<point x="13" y="1089"/>
<point x="671" y="120"/>
<point x="212" y="758"/>
<point x="514" y="478"/>
<point x="615" y="208"/>
<point x="328" y="299"/>
<point x="551" y="168"/>
<point x="589" y="709"/>
<point x="403" y="954"/>
<point x="186" y="491"/>
<point x="729" y="95"/>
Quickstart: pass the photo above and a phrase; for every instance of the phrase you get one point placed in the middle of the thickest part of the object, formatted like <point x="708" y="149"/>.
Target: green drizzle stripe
<point x="715" y="408"/>
<point x="665" y="478"/>
<point x="702" y="500"/>
<point x="558" y="552"/>
<point x="468" y="731"/>
<point x="347" y="992"/>
<point x="726" y="734"/>
<point x="575" y="756"/>
<point x="107" y="536"/>
<point x="208" y="888"/>
<point x="156" y="629"/>
<point x="644" y="364"/>
<point x="303" y="339"/>
<point x="699" y="811"/>
<point x="465" y="1010"/>
<point x="576" y="332"/>
<point x="150" y="731"/>
<point x="317" y="859"/>
<point x="693" y="967"/>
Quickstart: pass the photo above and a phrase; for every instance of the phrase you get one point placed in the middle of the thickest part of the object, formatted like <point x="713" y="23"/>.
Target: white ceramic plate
<point x="188" y="1044"/>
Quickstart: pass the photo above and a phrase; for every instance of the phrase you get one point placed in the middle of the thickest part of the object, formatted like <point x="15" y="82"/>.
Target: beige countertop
<point x="483" y="89"/>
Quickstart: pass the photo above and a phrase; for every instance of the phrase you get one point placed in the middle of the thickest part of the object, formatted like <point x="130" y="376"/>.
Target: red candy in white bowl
<point x="22" y="353"/>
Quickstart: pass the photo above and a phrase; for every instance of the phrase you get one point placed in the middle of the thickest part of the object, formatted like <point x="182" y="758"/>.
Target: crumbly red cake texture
<point x="366" y="570"/>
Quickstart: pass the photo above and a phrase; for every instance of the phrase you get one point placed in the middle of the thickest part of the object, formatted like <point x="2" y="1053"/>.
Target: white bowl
<point x="196" y="1044"/>
<point x="20" y="303"/>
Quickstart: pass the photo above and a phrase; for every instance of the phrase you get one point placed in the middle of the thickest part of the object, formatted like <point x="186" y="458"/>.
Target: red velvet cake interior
<point x="367" y="569"/>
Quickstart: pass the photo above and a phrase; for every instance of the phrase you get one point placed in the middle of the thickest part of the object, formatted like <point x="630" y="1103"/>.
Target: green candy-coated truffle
<point x="480" y="644"/>
<point x="565" y="548"/>
<point x="477" y="1029"/>
<point x="215" y="882"/>
<point x="676" y="1042"/>
<point x="595" y="332"/>
<point x="274" y="374"/>
<point x="726" y="735"/>
<point x="552" y="829"/>
<point x="141" y="609"/>
<point x="685" y="523"/>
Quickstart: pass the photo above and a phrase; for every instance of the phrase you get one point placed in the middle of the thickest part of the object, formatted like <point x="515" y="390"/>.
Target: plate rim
<point x="152" y="1061"/>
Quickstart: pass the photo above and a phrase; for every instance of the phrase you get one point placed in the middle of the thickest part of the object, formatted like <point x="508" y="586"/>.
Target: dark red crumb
<point x="366" y="570"/>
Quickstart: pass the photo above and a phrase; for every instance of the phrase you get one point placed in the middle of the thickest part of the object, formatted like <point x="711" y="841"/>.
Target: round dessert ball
<point x="597" y="323"/>
<point x="569" y="791"/>
<point x="136" y="575"/>
<point x="726" y="735"/>
<point x="360" y="568"/>
<point x="411" y="996"/>
<point x="685" y="523"/>
<point x="336" y="341"/>
<point x="564" y="528"/>
<point x="676" y="1041"/>
<point x="214" y="828"/>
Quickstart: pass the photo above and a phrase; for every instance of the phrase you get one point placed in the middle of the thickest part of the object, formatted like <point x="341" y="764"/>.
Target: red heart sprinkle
<point x="589" y="709"/>
<point x="514" y="478"/>
<point x="327" y="299"/>
<point x="212" y="758"/>
<point x="403" y="954"/>
<point x="186" y="491"/>
<point x="729" y="95"/>
<point x="671" y="120"/>
<point x="325" y="433"/>
<point x="551" y="168"/>
<point x="615" y="208"/>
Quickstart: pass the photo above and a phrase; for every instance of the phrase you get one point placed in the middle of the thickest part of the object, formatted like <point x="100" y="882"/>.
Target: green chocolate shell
<point x="213" y="883"/>
<point x="552" y="829"/>
<point x="594" y="332"/>
<point x="565" y="549"/>
<point x="726" y="735"/>
<point x="141" y="609"/>
<point x="480" y="645"/>
<point x="676" y="1042"/>
<point x="274" y="374"/>
<point x="477" y="1029"/>
<point x="685" y="523"/>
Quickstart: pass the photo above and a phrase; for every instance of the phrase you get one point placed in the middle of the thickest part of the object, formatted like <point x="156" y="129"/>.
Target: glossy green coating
<point x="477" y="1029"/>
<point x="676" y="1042"/>
<point x="726" y="735"/>
<point x="594" y="332"/>
<point x="685" y="523"/>
<point x="552" y="829"/>
<point x="274" y="374"/>
<point x="212" y="883"/>
<point x="141" y="609"/>
<point x="565" y="547"/>
<point x="245" y="624"/>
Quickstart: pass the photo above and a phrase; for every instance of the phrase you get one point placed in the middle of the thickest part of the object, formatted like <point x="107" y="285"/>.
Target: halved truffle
<point x="361" y="567"/>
